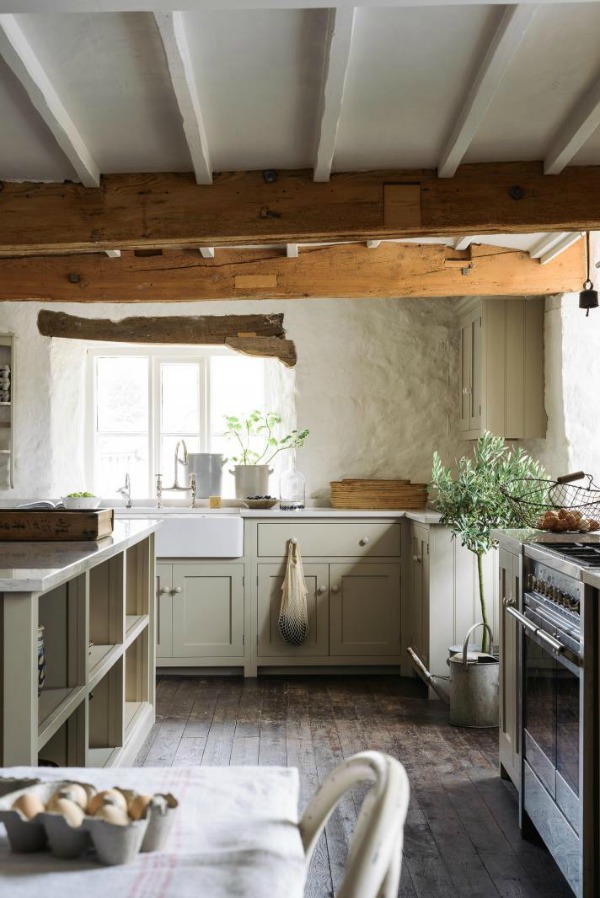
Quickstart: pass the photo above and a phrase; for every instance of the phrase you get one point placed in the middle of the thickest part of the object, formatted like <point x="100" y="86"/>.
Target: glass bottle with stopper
<point x="292" y="488"/>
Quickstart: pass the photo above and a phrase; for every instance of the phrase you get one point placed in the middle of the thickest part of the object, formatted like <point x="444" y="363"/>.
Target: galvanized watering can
<point x="474" y="683"/>
<point x="472" y="690"/>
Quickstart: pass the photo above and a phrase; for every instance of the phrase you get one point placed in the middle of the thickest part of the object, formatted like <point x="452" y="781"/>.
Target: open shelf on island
<point x="134" y="625"/>
<point x="133" y="710"/>
<point x="101" y="659"/>
<point x="100" y="757"/>
<point x="67" y="745"/>
<point x="106" y="710"/>
<point x="54" y="706"/>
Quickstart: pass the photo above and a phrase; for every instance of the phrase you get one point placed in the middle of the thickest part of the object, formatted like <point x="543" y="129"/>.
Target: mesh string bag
<point x="293" y="612"/>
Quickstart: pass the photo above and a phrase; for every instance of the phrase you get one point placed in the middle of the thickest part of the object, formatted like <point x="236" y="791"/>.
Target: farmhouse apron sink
<point x="186" y="533"/>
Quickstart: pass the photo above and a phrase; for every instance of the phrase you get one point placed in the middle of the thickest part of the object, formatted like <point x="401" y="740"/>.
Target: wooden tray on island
<point x="54" y="525"/>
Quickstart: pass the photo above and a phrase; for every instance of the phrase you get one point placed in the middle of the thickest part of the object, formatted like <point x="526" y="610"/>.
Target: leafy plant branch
<point x="260" y="427"/>
<point x="472" y="504"/>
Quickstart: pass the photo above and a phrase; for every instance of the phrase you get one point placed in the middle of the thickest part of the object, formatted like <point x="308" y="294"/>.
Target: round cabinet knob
<point x="363" y="541"/>
<point x="417" y="558"/>
<point x="322" y="589"/>
<point x="164" y="590"/>
<point x="176" y="589"/>
<point x="335" y="589"/>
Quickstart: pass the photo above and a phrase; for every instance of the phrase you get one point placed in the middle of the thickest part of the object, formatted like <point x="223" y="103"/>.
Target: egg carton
<point x="113" y="843"/>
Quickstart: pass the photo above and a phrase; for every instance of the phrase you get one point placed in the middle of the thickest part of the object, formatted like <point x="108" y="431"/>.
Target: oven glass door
<point x="540" y="710"/>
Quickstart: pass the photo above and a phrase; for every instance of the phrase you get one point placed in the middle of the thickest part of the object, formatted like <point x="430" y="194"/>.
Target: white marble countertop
<point x="40" y="566"/>
<point x="426" y="516"/>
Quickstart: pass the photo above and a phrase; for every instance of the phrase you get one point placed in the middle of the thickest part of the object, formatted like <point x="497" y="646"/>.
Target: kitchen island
<point x="95" y="602"/>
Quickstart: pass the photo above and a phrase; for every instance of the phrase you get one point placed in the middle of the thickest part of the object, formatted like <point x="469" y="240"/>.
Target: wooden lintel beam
<point x="348" y="270"/>
<point x="257" y="335"/>
<point x="171" y="210"/>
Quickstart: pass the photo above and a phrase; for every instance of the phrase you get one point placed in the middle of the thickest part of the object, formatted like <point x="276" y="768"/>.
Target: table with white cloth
<point x="235" y="835"/>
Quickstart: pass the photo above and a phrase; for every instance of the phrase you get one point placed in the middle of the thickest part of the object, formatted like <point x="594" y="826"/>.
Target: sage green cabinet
<point x="201" y="611"/>
<point x="270" y="643"/>
<point x="509" y="730"/>
<point x="501" y="367"/>
<point x="364" y="610"/>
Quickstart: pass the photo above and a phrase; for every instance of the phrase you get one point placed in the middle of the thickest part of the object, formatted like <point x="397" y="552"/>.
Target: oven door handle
<point x="541" y="634"/>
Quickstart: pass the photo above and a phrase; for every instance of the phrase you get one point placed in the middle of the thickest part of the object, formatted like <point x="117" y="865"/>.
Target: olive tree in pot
<point x="256" y="445"/>
<point x="472" y="504"/>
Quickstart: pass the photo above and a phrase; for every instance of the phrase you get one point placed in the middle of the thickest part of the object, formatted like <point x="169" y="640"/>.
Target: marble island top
<point x="40" y="566"/>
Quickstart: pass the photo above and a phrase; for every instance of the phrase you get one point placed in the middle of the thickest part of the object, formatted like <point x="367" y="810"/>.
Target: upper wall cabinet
<point x="502" y="368"/>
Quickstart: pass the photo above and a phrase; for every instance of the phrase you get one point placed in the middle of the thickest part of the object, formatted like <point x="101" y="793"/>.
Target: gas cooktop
<point x="585" y="554"/>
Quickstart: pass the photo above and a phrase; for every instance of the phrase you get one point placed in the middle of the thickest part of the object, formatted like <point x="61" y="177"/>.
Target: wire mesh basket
<point x="556" y="505"/>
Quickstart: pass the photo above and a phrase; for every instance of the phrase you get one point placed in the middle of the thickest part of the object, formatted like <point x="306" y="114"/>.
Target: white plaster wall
<point x="376" y="383"/>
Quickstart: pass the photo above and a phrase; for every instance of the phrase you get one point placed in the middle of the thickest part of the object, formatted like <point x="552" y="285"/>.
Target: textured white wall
<point x="376" y="383"/>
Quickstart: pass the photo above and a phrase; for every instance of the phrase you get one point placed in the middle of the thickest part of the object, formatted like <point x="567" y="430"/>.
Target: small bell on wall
<point x="588" y="298"/>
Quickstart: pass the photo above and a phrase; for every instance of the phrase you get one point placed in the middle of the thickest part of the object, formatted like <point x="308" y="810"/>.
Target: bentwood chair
<point x="375" y="855"/>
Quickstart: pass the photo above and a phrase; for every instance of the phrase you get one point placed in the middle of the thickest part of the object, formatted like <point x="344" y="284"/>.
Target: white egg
<point x="107" y="796"/>
<point x="112" y="814"/>
<point x="76" y="793"/>
<point x="70" y="811"/>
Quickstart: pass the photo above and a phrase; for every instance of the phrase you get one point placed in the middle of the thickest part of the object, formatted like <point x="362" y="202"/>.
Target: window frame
<point x="156" y="355"/>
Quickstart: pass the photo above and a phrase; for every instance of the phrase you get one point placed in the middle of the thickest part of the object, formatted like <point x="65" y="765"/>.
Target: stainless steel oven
<point x="558" y="694"/>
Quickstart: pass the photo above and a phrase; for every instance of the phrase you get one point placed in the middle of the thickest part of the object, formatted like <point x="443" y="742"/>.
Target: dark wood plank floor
<point x="461" y="836"/>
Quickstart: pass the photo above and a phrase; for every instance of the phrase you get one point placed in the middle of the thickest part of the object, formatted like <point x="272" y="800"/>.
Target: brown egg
<point x="72" y="813"/>
<point x="112" y="814"/>
<point x="107" y="796"/>
<point x="74" y="792"/>
<point x="137" y="806"/>
<point x="29" y="805"/>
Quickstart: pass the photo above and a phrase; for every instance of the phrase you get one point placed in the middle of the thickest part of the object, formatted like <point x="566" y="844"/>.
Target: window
<point x="145" y="400"/>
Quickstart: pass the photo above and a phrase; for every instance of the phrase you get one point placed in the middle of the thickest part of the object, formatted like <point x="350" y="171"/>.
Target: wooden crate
<point x="55" y="525"/>
<point x="378" y="494"/>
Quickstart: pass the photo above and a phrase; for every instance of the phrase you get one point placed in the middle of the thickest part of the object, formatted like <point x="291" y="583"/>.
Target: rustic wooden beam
<point x="171" y="210"/>
<point x="257" y="335"/>
<point x="348" y="270"/>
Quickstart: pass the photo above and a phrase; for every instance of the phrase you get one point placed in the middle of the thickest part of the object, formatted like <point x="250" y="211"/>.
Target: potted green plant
<point x="256" y="445"/>
<point x="471" y="502"/>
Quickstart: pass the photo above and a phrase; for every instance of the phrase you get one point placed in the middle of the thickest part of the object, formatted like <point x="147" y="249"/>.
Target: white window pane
<point x="119" y="455"/>
<point x="237" y="386"/>
<point x="180" y="397"/>
<point x="122" y="394"/>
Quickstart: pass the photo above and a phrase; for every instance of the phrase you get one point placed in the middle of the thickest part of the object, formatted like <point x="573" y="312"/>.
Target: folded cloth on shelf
<point x="235" y="836"/>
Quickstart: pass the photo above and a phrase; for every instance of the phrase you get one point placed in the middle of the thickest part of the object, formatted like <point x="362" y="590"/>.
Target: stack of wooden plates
<point x="375" y="494"/>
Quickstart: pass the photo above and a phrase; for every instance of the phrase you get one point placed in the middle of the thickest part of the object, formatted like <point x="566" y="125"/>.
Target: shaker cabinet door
<point x="208" y="610"/>
<point x="164" y="610"/>
<point x="364" y="609"/>
<point x="270" y="642"/>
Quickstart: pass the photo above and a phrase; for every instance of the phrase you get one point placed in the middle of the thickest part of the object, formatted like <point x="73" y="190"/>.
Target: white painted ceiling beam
<point x="463" y="243"/>
<point x="575" y="131"/>
<point x="18" y="54"/>
<point x="207" y="252"/>
<point x="508" y="36"/>
<point x="340" y="23"/>
<point x="546" y="243"/>
<point x="172" y="31"/>
<point x="56" y="6"/>
<point x="563" y="244"/>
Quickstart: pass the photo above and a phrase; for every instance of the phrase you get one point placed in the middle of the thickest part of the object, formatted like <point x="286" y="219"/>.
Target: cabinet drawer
<point x="372" y="538"/>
